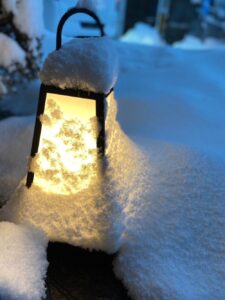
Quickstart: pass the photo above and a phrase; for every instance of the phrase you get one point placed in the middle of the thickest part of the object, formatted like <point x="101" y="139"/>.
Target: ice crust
<point x="89" y="64"/>
<point x="23" y="262"/>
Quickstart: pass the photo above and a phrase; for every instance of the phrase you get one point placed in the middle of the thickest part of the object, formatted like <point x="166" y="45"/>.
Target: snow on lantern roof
<point x="89" y="64"/>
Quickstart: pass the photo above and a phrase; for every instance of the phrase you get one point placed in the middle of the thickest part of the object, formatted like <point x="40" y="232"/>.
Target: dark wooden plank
<point x="76" y="274"/>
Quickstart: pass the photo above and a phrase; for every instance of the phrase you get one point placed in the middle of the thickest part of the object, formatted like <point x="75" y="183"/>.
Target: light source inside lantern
<point x="66" y="161"/>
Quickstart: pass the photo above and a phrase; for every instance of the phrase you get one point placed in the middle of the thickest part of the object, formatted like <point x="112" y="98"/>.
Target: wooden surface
<point x="76" y="274"/>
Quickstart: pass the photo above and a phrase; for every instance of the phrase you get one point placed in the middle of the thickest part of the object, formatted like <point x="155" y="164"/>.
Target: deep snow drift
<point x="171" y="228"/>
<point x="23" y="262"/>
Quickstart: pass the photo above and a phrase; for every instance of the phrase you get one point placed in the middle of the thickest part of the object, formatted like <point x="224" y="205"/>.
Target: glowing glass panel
<point x="66" y="161"/>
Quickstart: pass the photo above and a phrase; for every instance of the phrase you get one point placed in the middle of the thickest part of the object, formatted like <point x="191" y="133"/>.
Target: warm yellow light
<point x="67" y="157"/>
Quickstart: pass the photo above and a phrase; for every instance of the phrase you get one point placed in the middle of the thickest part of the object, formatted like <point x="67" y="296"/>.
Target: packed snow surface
<point x="89" y="64"/>
<point x="143" y="33"/>
<point x="23" y="262"/>
<point x="164" y="206"/>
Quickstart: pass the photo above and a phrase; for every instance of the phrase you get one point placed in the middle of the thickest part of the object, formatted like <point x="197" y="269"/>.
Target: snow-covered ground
<point x="145" y="34"/>
<point x="192" y="42"/>
<point x="169" y="171"/>
<point x="171" y="103"/>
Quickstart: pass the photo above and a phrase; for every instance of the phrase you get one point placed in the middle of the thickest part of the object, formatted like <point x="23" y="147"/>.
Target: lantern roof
<point x="88" y="64"/>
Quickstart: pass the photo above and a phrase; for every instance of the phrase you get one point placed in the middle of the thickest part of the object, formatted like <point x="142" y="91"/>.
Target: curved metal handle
<point x="70" y="13"/>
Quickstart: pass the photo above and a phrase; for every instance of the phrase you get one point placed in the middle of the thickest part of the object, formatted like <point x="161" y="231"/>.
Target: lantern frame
<point x="99" y="98"/>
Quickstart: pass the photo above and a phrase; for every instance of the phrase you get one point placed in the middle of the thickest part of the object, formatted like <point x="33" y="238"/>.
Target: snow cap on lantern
<point x="88" y="64"/>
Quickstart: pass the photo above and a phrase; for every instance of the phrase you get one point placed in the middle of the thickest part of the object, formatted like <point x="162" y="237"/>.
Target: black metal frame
<point x="70" y="13"/>
<point x="44" y="89"/>
<point x="100" y="114"/>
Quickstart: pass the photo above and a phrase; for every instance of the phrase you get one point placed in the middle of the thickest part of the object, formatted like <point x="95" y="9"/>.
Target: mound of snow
<point x="142" y="33"/>
<point x="173" y="246"/>
<point x="88" y="64"/>
<point x="23" y="262"/>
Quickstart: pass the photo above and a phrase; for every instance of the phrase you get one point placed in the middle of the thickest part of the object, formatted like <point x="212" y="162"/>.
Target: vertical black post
<point x="37" y="131"/>
<point x="100" y="113"/>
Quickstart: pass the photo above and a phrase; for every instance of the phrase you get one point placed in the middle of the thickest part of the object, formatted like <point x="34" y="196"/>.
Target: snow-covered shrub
<point x="21" y="27"/>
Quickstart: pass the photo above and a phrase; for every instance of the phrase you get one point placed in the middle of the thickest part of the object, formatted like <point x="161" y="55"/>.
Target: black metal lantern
<point x="65" y="126"/>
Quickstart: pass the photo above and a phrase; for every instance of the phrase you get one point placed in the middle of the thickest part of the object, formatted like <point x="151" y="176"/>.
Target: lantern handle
<point x="70" y="13"/>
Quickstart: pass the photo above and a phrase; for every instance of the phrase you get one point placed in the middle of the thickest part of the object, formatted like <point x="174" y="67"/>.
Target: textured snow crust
<point x="174" y="242"/>
<point x="23" y="262"/>
<point x="89" y="64"/>
<point x="171" y="103"/>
